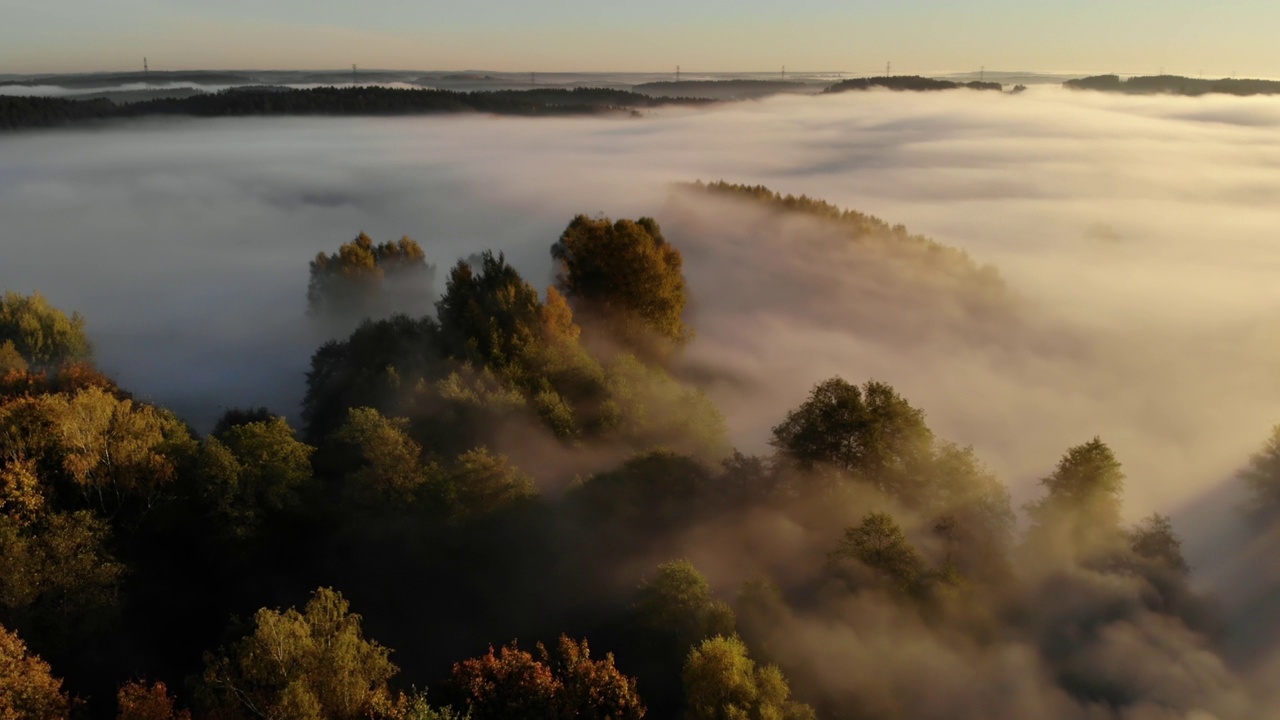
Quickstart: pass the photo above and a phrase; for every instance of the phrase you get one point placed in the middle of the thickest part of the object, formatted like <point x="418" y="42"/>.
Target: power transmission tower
<point x="677" y="73"/>
<point x="784" y="73"/>
<point x="982" y="74"/>
<point x="146" y="73"/>
<point x="888" y="69"/>
<point x="354" y="82"/>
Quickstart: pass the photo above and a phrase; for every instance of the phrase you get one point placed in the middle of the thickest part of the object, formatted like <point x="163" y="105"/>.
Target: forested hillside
<point x="506" y="501"/>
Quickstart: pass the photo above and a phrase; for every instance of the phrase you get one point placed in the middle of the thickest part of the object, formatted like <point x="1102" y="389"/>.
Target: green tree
<point x="1262" y="477"/>
<point x="364" y="279"/>
<point x="869" y="434"/>
<point x="42" y="334"/>
<point x="491" y="317"/>
<point x="1154" y="541"/>
<point x="626" y="277"/>
<point x="677" y="606"/>
<point x="252" y="469"/>
<point x="28" y="689"/>
<point x="723" y="683"/>
<point x="387" y="467"/>
<point x="879" y="543"/>
<point x="310" y="665"/>
<point x="1080" y="514"/>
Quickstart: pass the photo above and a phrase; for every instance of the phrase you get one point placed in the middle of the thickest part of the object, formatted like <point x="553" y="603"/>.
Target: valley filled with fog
<point x="1135" y="238"/>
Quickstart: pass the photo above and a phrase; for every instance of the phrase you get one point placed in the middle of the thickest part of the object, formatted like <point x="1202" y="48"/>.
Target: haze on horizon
<point x="918" y="36"/>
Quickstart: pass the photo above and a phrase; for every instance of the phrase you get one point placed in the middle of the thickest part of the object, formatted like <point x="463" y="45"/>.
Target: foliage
<point x="569" y="685"/>
<point x="870" y="435"/>
<point x="310" y="665"/>
<point x="908" y="82"/>
<point x="388" y="463"/>
<point x="252" y="469"/>
<point x="41" y="334"/>
<point x="28" y="689"/>
<point x="626" y="276"/>
<point x="138" y="700"/>
<point x="723" y="683"/>
<point x="1154" y="541"/>
<point x="481" y="483"/>
<point x="879" y="544"/>
<point x="676" y="607"/>
<point x="1080" y="515"/>
<point x="1262" y="478"/>
<point x="490" y="316"/>
<point x="364" y="279"/>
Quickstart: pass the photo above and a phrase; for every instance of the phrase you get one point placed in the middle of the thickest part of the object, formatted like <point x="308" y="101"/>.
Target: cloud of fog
<point x="1137" y="232"/>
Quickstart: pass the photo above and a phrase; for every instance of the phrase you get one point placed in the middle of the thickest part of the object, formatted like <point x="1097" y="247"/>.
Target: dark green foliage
<point x="375" y="367"/>
<point x="627" y="277"/>
<point x="869" y="434"/>
<point x="490" y="316"/>
<point x="241" y="416"/>
<point x="41" y="334"/>
<point x="1079" y="517"/>
<point x="1154" y="541"/>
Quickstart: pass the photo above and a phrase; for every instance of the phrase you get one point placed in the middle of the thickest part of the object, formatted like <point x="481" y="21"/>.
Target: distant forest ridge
<point x="910" y="82"/>
<point x="28" y="112"/>
<point x="1174" y="85"/>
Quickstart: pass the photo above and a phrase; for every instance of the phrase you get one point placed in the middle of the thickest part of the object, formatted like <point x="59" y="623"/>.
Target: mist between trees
<point x="519" y="502"/>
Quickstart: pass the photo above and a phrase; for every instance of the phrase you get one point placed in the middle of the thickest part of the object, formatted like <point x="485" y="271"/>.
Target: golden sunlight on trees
<point x="514" y="685"/>
<point x="879" y="544"/>
<point x="28" y="690"/>
<point x="309" y="665"/>
<point x="625" y="277"/>
<point x="39" y="333"/>
<point x="1080" y="515"/>
<point x="723" y="683"/>
<point x="364" y="279"/>
<point x="1262" y="477"/>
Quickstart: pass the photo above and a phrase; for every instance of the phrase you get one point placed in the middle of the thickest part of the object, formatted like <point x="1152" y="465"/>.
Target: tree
<point x="28" y="689"/>
<point x="252" y="469"/>
<point x="313" y="665"/>
<point x="677" y="605"/>
<point x="723" y="683"/>
<point x="1080" y="514"/>
<point x="42" y="334"/>
<point x="1154" y="541"/>
<point x="491" y="317"/>
<point x="138" y="700"/>
<point x="363" y="279"/>
<point x="625" y="277"/>
<point x="388" y="463"/>
<point x="1262" y="477"/>
<point x="568" y="685"/>
<point x="879" y="544"/>
<point x="869" y="434"/>
<point x="481" y="482"/>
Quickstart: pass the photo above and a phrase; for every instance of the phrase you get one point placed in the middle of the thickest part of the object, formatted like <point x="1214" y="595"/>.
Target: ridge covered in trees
<point x="17" y="112"/>
<point x="494" y="510"/>
<point x="1174" y="85"/>
<point x="913" y="83"/>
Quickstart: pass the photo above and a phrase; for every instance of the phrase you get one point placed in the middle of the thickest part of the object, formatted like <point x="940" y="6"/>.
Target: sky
<point x="854" y="36"/>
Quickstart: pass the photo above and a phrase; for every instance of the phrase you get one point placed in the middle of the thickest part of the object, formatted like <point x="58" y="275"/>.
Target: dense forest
<point x="1174" y="85"/>
<point x="509" y="502"/>
<point x="909" y="82"/>
<point x="17" y="112"/>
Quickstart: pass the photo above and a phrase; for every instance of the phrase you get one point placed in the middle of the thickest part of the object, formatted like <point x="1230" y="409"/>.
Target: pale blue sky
<point x="1138" y="36"/>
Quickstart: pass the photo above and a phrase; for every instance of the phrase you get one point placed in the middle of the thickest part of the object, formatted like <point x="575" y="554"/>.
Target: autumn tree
<point x="566" y="685"/>
<point x="41" y="334"/>
<point x="479" y="482"/>
<point x="868" y="434"/>
<point x="138" y="700"/>
<point x="309" y="665"/>
<point x="364" y="279"/>
<point x="722" y="682"/>
<point x="28" y="689"/>
<point x="626" y="278"/>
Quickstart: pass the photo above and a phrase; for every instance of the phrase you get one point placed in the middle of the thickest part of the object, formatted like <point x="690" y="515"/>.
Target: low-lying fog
<point x="1139" y="233"/>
